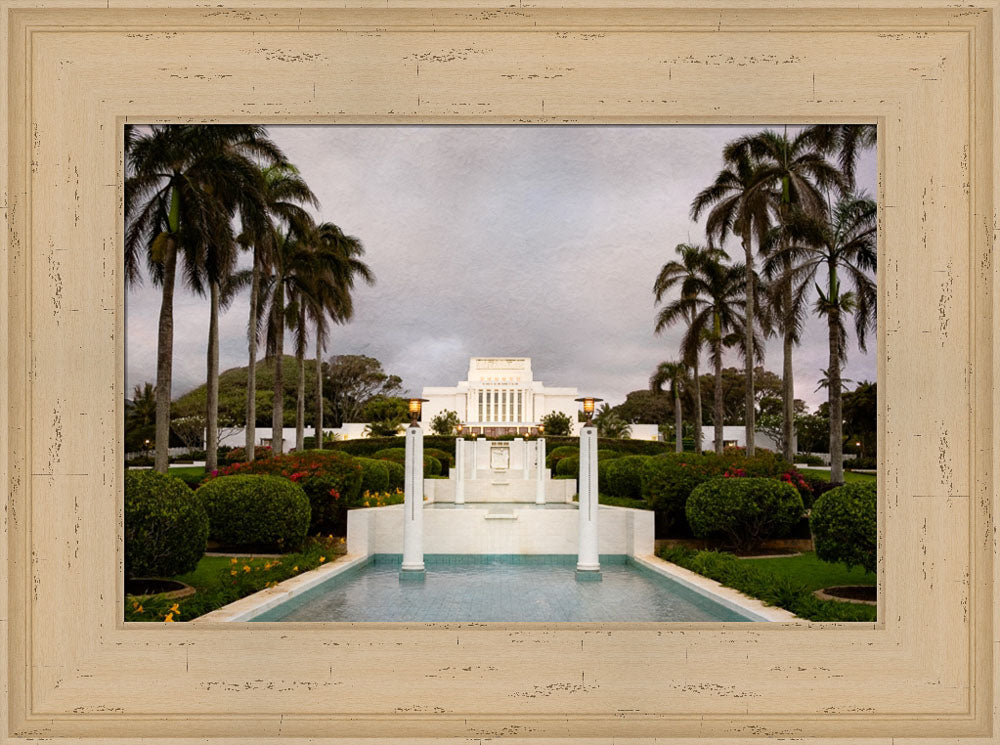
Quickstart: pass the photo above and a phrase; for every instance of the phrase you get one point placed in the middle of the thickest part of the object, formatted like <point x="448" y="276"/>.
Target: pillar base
<point x="412" y="575"/>
<point x="588" y="575"/>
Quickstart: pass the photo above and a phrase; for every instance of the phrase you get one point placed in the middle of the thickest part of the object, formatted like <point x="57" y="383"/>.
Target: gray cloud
<point x="540" y="241"/>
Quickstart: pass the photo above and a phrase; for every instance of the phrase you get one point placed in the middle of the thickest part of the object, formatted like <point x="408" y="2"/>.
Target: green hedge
<point x="397" y="474"/>
<point x="668" y="480"/>
<point x="166" y="527"/>
<point x="743" y="512"/>
<point x="568" y="466"/>
<point x="432" y="466"/>
<point x="263" y="513"/>
<point x="773" y="589"/>
<point x="844" y="525"/>
<point x="623" y="476"/>
<point x="554" y="455"/>
<point x="374" y="475"/>
<point x="331" y="480"/>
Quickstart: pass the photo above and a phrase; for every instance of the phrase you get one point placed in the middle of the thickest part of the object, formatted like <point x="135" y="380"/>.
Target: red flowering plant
<point x="331" y="480"/>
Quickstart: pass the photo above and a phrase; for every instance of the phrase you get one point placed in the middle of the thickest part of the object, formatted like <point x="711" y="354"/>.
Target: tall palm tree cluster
<point x="195" y="197"/>
<point x="808" y="240"/>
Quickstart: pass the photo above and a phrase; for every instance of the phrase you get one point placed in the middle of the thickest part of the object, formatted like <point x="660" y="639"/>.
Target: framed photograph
<point x="88" y="86"/>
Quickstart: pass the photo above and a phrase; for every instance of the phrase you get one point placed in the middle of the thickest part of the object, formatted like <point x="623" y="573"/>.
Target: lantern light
<point x="415" y="407"/>
<point x="588" y="408"/>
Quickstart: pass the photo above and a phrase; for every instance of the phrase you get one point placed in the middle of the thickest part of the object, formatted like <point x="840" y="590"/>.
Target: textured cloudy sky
<point x="538" y="241"/>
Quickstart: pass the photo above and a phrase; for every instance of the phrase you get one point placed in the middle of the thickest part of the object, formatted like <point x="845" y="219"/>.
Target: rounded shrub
<point x="568" y="466"/>
<point x="256" y="512"/>
<point x="432" y="465"/>
<point x="668" y="480"/>
<point x="397" y="455"/>
<point x="330" y="479"/>
<point x="166" y="528"/>
<point x="374" y="475"/>
<point x="742" y="512"/>
<point x="553" y="457"/>
<point x="623" y="476"/>
<point x="843" y="523"/>
<point x="397" y="474"/>
<point x="608" y="455"/>
<point x="442" y="455"/>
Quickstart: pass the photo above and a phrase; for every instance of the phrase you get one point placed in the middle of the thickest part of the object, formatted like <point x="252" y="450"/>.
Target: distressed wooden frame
<point x="76" y="69"/>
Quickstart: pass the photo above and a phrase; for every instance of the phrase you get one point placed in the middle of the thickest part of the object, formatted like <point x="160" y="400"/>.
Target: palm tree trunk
<point x="319" y="387"/>
<point x="278" y="405"/>
<point x="698" y="445"/>
<point x="212" y="382"/>
<point x="788" y="397"/>
<point x="300" y="389"/>
<point x="717" y="413"/>
<point x="836" y="401"/>
<point x="165" y="358"/>
<point x="678" y="420"/>
<point x="251" y="423"/>
<point x="749" y="416"/>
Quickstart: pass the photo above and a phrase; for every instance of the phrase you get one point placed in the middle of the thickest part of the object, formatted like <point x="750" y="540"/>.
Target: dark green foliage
<point x="808" y="459"/>
<point x="166" y="528"/>
<point x="331" y="480"/>
<point x="374" y="475"/>
<point x="432" y="466"/>
<point x="259" y="512"/>
<point x="844" y="525"/>
<point x="397" y="474"/>
<point x="818" y="485"/>
<point x="554" y="455"/>
<point x="557" y="423"/>
<point x="447" y="460"/>
<point x="865" y="464"/>
<point x="608" y="455"/>
<point x="191" y="478"/>
<point x="772" y="588"/>
<point x="623" y="476"/>
<point x="743" y="511"/>
<point x="667" y="481"/>
<point x="568" y="466"/>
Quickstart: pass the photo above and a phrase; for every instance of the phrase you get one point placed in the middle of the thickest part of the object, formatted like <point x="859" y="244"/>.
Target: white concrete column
<point x="522" y="445"/>
<point x="540" y="471"/>
<point x="413" y="506"/>
<point x="588" y="564"/>
<point x="460" y="470"/>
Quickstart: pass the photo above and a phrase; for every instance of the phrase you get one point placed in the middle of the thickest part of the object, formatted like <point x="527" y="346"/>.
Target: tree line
<point x="809" y="243"/>
<point x="195" y="197"/>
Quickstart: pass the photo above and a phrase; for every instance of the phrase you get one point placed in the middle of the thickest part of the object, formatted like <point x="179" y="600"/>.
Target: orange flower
<point x="174" y="608"/>
<point x="246" y="567"/>
<point x="169" y="618"/>
<point x="295" y="568"/>
<point x="322" y="559"/>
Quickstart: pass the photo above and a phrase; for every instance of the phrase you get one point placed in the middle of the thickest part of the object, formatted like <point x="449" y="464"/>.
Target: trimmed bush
<point x="844" y="525"/>
<point x="331" y="480"/>
<point x="668" y="480"/>
<point x="265" y="513"/>
<point x="166" y="527"/>
<point x="374" y="475"/>
<point x="553" y="456"/>
<point x="568" y="466"/>
<point x="743" y="511"/>
<point x="808" y="459"/>
<point x="238" y="455"/>
<point x="441" y="455"/>
<point x="193" y="480"/>
<point x="432" y="466"/>
<point x="818" y="485"/>
<point x="397" y="474"/>
<point x="623" y="476"/>
<point x="608" y="455"/>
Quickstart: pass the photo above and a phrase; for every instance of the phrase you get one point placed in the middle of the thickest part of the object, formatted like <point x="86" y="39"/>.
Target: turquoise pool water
<point x="500" y="588"/>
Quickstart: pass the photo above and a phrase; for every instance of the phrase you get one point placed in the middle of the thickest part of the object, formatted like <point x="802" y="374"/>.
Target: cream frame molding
<point x="925" y="71"/>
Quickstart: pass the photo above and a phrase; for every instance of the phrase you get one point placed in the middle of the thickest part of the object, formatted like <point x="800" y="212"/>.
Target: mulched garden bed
<point x="168" y="588"/>
<point x="864" y="594"/>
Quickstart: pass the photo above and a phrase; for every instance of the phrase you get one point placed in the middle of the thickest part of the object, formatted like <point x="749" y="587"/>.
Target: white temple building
<point x="500" y="397"/>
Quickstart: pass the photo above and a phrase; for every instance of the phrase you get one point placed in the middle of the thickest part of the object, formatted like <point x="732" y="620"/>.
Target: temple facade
<point x="500" y="397"/>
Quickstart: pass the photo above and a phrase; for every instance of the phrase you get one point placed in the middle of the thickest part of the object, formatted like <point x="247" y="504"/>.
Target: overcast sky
<point x="536" y="241"/>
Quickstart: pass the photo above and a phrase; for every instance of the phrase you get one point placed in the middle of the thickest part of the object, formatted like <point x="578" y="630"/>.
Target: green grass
<point x="812" y="572"/>
<point x="849" y="476"/>
<point x="782" y="582"/>
<point x="220" y="581"/>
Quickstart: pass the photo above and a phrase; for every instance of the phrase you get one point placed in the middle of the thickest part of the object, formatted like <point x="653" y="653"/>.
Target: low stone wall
<point x="503" y="490"/>
<point x="478" y="528"/>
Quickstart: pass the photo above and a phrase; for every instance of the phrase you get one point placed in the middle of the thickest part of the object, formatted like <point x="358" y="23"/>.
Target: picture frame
<point x="78" y="70"/>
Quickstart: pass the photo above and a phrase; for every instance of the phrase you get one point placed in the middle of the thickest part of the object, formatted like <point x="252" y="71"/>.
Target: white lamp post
<point x="540" y="471"/>
<point x="459" y="468"/>
<point x="413" y="498"/>
<point x="588" y="565"/>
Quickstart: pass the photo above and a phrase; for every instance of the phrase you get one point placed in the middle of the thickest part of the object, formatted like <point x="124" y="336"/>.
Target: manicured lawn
<point x="812" y="572"/>
<point x="786" y="582"/>
<point x="849" y="476"/>
<point x="219" y="580"/>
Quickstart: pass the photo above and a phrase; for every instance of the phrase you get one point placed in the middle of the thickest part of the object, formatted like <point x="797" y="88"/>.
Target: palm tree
<point x="610" y="423"/>
<point x="686" y="273"/>
<point x="792" y="174"/>
<point x="172" y="212"/>
<point x="738" y="201"/>
<point x="846" y="141"/>
<point x="677" y="374"/>
<point x="844" y="243"/>
<point x="284" y="194"/>
<point x="714" y="302"/>
<point x="341" y="256"/>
